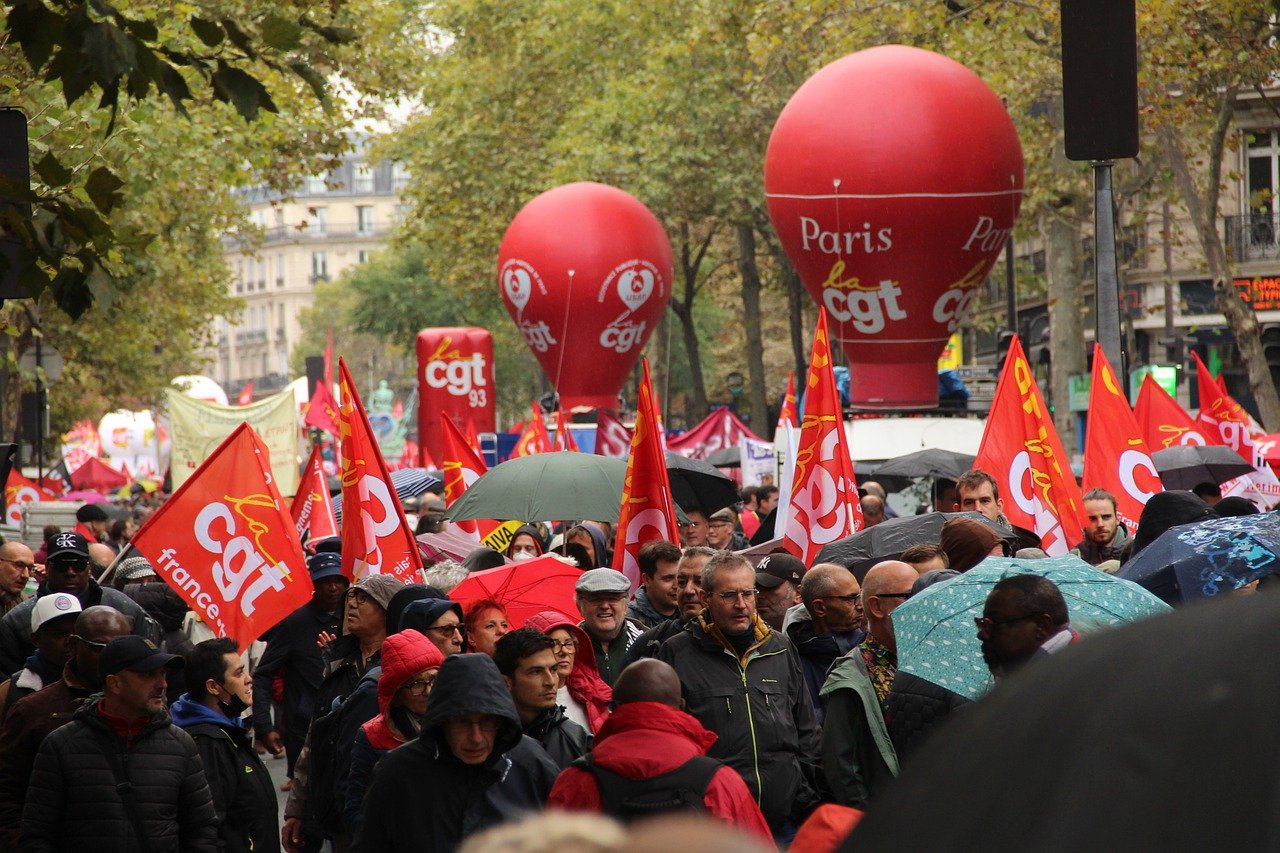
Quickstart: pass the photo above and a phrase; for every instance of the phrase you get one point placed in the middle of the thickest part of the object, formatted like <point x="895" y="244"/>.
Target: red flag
<point x="312" y="508"/>
<point x="1224" y="421"/>
<point x="226" y="544"/>
<point x="564" y="434"/>
<point x="1163" y="422"/>
<point x="1115" y="456"/>
<point x="19" y="491"/>
<point x="648" y="511"/>
<point x="376" y="539"/>
<point x="789" y="415"/>
<point x="246" y="394"/>
<point x="1021" y="449"/>
<point x="824" y="494"/>
<point x="473" y="437"/>
<point x="57" y="479"/>
<point x="535" y="438"/>
<point x="328" y="358"/>
<point x="462" y="467"/>
<point x="612" y="438"/>
<point x="322" y="411"/>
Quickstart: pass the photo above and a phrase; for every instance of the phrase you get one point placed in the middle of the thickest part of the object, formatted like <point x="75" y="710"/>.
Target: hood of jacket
<point x="160" y="601"/>
<point x="645" y="608"/>
<point x="186" y="712"/>
<point x="422" y="614"/>
<point x="529" y="530"/>
<point x="584" y="682"/>
<point x="471" y="684"/>
<point x="601" y="546"/>
<point x="402" y="599"/>
<point x="404" y="655"/>
<point x="655" y="717"/>
<point x="710" y="635"/>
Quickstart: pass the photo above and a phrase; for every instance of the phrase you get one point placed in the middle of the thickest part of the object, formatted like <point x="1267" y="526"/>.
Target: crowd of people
<point x="756" y="689"/>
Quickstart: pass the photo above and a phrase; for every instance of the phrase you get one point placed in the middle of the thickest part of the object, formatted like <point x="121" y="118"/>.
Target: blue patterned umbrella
<point x="938" y="641"/>
<point x="1208" y="558"/>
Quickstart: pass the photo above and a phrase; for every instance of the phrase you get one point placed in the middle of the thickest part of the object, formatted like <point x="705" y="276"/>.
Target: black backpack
<point x="681" y="790"/>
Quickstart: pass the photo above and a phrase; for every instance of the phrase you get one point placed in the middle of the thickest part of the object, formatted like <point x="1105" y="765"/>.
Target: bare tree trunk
<point x="691" y="258"/>
<point x="1202" y="205"/>
<point x="659" y="365"/>
<point x="757" y="397"/>
<point x="15" y="320"/>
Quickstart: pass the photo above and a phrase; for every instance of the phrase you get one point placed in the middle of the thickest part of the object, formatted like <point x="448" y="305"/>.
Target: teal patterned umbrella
<point x="938" y="641"/>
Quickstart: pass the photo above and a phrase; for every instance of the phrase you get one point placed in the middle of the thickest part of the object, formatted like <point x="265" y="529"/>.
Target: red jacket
<point x="404" y="655"/>
<point x="645" y="739"/>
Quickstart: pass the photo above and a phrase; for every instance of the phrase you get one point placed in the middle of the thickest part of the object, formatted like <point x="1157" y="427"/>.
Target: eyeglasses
<point x="446" y="630"/>
<point x="97" y="647"/>
<point x="26" y="567"/>
<point x="563" y="645"/>
<point x="851" y="598"/>
<point x="419" y="686"/>
<point x="985" y="624"/>
<point x="730" y="596"/>
<point x="359" y="596"/>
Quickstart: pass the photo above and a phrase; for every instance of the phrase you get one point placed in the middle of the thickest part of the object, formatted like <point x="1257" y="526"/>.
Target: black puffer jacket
<point x="915" y="708"/>
<point x="73" y="802"/>
<point x="423" y="798"/>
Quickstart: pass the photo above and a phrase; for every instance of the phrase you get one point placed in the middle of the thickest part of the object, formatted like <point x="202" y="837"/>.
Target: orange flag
<point x="376" y="539"/>
<point x="1116" y="457"/>
<point x="1021" y="449"/>
<point x="312" y="508"/>
<point x="824" y="494"/>
<point x="789" y="415"/>
<point x="226" y="543"/>
<point x="648" y="511"/>
<point x="462" y="467"/>
<point x="535" y="438"/>
<point x="1163" y="422"/>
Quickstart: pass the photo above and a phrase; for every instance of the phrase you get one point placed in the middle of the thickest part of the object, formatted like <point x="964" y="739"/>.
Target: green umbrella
<point x="560" y="486"/>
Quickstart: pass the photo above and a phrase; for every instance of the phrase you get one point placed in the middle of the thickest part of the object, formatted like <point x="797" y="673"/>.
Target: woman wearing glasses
<point x="410" y="662"/>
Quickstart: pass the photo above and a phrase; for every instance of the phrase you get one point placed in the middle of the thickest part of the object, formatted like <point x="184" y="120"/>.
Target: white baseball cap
<point x="53" y="606"/>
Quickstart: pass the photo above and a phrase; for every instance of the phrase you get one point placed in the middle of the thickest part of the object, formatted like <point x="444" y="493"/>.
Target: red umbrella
<point x="98" y="476"/>
<point x="524" y="589"/>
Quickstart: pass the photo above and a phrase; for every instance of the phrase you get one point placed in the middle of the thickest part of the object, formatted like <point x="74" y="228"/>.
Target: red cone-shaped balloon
<point x="893" y="177"/>
<point x="585" y="271"/>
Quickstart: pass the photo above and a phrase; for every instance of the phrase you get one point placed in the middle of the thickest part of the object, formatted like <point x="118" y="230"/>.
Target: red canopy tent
<point x="97" y="475"/>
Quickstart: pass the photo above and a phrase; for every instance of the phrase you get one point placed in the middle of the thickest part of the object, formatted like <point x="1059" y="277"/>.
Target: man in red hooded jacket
<point x="649" y="735"/>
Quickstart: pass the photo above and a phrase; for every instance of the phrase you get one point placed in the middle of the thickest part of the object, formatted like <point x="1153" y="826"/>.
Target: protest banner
<point x="197" y="428"/>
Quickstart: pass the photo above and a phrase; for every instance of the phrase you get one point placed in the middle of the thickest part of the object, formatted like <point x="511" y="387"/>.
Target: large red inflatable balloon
<point x="585" y="271"/>
<point x="455" y="378"/>
<point x="893" y="178"/>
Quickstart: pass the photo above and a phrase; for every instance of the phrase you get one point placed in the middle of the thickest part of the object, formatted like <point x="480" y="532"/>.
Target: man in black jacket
<point x="469" y="769"/>
<point x="688" y="603"/>
<point x="526" y="659"/>
<point x="743" y="681"/>
<point x="120" y="775"/>
<point x="219" y="689"/>
<point x="293" y="654"/>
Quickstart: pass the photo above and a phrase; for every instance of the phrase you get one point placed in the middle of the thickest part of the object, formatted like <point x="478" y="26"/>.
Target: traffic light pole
<point x="1107" y="274"/>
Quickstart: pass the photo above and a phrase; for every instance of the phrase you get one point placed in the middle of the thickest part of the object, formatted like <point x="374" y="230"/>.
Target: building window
<point x="280" y="270"/>
<point x="317" y="219"/>
<point x="262" y="274"/>
<point x="239" y="276"/>
<point x="363" y="178"/>
<point x="399" y="176"/>
<point x="364" y="219"/>
<point x="362" y="256"/>
<point x="316" y="185"/>
<point x="1262" y="174"/>
<point x="319" y="266"/>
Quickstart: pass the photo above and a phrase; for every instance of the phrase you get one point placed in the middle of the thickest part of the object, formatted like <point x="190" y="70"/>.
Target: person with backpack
<point x="650" y="758"/>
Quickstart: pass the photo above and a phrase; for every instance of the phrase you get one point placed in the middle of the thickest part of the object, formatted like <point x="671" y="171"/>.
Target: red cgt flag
<point x="535" y="438"/>
<point x="1021" y="449"/>
<point x="322" y="411"/>
<point x="18" y="492"/>
<point x="226" y="544"/>
<point x="789" y="415"/>
<point x="312" y="508"/>
<point x="376" y="539"/>
<point x="1115" y="456"/>
<point x="824" y="494"/>
<point x="462" y="467"/>
<point x="1224" y="421"/>
<point x="648" y="511"/>
<point x="612" y="438"/>
<point x="1163" y="422"/>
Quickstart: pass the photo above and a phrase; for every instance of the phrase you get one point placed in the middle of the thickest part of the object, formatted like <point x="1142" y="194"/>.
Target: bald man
<point x="857" y="753"/>
<point x="872" y="510"/>
<point x="648" y="736"/>
<point x="100" y="556"/>
<point x="16" y="563"/>
<point x="830" y="596"/>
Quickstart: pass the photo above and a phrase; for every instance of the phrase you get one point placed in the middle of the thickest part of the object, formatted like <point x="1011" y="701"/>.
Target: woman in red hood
<point x="409" y="665"/>
<point x="583" y="693"/>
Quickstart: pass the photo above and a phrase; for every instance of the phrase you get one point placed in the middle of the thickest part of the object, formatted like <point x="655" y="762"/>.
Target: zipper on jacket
<point x="751" y="723"/>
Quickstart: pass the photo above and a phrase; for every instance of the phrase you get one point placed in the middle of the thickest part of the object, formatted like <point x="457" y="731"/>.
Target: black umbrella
<point x="930" y="462"/>
<point x="888" y="539"/>
<point x="726" y="457"/>
<point x="1139" y="739"/>
<point x="1188" y="465"/>
<point x="696" y="484"/>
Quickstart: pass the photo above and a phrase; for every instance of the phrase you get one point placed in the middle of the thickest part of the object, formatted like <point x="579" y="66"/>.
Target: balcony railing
<point x="1252" y="237"/>
<point x="251" y="336"/>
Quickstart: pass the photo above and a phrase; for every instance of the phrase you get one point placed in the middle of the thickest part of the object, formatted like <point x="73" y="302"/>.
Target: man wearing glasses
<point x="16" y="564"/>
<point x="857" y="753"/>
<point x="828" y="626"/>
<point x="743" y="681"/>
<point x="1024" y="617"/>
<point x="66" y="570"/>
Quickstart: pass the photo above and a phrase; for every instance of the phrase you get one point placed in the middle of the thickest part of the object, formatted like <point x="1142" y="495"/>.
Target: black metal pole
<point x="1107" y="274"/>
<point x="39" y="418"/>
<point x="1010" y="298"/>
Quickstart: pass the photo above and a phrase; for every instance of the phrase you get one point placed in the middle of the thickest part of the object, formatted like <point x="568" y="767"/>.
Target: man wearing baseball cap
<point x="120" y="770"/>
<point x="52" y="621"/>
<point x="66" y="570"/>
<point x="778" y="581"/>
